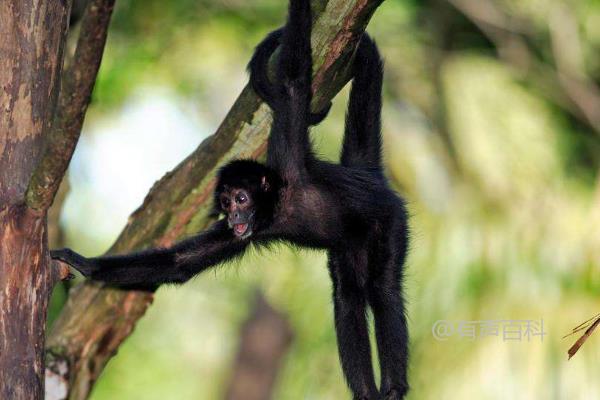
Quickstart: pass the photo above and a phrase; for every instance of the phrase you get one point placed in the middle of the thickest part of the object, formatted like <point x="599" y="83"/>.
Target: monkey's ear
<point x="264" y="184"/>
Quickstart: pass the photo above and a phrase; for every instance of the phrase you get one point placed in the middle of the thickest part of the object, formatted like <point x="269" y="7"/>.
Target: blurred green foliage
<point x="485" y="137"/>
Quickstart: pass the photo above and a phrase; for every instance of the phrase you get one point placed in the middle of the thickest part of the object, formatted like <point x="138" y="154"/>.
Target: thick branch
<point x="96" y="319"/>
<point x="75" y="95"/>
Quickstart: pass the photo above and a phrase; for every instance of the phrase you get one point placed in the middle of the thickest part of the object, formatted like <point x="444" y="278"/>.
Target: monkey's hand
<point x="77" y="261"/>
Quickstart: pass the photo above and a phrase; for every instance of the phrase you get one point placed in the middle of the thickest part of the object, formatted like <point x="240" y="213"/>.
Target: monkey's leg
<point x="351" y="328"/>
<point x="391" y="330"/>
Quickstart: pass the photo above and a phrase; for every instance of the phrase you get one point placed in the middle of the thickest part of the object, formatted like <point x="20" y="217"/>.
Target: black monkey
<point x="347" y="209"/>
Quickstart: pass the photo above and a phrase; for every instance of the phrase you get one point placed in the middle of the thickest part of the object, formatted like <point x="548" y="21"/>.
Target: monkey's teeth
<point x="240" y="229"/>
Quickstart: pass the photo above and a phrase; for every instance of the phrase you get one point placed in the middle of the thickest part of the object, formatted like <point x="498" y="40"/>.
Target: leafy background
<point x="482" y="136"/>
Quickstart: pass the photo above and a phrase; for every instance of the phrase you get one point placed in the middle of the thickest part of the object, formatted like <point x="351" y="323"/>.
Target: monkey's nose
<point x="236" y="215"/>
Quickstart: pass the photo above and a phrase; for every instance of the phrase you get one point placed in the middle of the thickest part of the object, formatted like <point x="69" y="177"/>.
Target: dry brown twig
<point x="589" y="325"/>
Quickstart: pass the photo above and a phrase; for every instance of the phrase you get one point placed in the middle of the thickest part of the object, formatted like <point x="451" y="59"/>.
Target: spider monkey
<point x="347" y="209"/>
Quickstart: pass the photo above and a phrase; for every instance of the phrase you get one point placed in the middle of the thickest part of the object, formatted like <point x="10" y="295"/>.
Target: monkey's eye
<point x="241" y="198"/>
<point x="225" y="202"/>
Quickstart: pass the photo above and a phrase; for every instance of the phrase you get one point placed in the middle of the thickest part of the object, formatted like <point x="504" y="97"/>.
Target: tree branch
<point x="567" y="87"/>
<point x="78" y="82"/>
<point x="96" y="319"/>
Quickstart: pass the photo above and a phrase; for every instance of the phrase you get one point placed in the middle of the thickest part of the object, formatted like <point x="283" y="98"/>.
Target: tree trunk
<point x="32" y="35"/>
<point x="265" y="339"/>
<point x="25" y="283"/>
<point x="97" y="318"/>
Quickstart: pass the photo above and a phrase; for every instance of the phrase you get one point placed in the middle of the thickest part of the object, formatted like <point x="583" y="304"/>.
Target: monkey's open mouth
<point x="240" y="229"/>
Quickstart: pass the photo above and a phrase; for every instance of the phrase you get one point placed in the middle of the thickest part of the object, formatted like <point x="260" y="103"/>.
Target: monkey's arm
<point x="156" y="266"/>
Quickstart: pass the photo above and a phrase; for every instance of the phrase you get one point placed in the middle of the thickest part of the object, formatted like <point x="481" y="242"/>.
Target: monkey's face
<point x="247" y="192"/>
<point x="239" y="206"/>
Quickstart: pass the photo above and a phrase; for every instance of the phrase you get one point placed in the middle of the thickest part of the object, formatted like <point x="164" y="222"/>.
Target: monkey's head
<point x="247" y="193"/>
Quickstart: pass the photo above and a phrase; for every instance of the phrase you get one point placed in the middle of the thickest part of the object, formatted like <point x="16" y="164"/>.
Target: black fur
<point x="259" y="79"/>
<point x="347" y="209"/>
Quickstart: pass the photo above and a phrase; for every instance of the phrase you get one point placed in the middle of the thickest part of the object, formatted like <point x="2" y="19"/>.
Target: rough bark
<point x="96" y="318"/>
<point x="32" y="36"/>
<point x="264" y="341"/>
<point x="77" y="85"/>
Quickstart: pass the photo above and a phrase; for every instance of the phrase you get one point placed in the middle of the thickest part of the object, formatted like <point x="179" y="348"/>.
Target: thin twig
<point x="582" y="326"/>
<point x="78" y="82"/>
